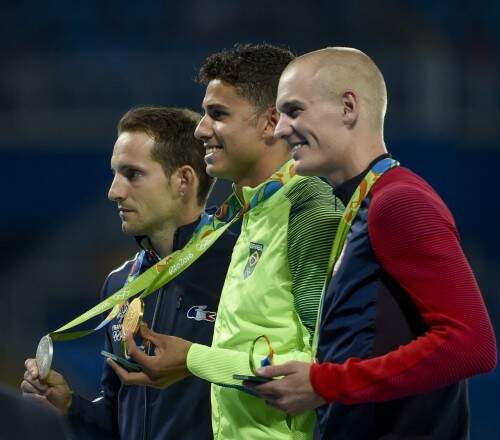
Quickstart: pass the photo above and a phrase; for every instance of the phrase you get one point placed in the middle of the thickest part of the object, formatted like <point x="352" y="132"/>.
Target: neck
<point x="355" y="162"/>
<point x="261" y="171"/>
<point x="163" y="239"/>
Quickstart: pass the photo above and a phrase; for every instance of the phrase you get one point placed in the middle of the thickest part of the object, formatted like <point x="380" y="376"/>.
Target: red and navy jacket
<point x="403" y="321"/>
<point x="186" y="307"/>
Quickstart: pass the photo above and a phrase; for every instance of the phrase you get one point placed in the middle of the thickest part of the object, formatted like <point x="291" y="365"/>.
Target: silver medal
<point x="44" y="354"/>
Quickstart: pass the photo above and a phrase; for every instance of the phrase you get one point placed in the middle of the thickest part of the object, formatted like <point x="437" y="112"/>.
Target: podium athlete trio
<point x="357" y="302"/>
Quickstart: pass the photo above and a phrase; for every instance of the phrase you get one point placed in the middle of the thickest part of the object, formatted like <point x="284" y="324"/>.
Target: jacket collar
<point x="282" y="175"/>
<point x="345" y="190"/>
<point x="181" y="237"/>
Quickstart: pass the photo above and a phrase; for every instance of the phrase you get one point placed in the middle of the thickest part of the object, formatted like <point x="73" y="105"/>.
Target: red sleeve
<point x="415" y="239"/>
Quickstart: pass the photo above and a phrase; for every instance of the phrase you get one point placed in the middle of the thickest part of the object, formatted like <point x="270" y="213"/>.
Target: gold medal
<point x="133" y="318"/>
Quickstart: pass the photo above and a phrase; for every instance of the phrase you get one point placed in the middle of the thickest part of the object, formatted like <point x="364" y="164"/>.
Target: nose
<point x="283" y="128"/>
<point x="116" y="192"/>
<point x="203" y="130"/>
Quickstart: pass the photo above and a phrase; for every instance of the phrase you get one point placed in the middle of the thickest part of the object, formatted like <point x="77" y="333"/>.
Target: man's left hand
<point x="294" y="393"/>
<point x="167" y="366"/>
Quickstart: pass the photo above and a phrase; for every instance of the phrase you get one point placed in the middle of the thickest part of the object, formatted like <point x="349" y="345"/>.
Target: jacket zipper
<point x="145" y="435"/>
<point x="177" y="306"/>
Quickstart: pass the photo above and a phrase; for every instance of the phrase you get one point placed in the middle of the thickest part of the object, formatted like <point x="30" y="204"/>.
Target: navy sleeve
<point x="98" y="418"/>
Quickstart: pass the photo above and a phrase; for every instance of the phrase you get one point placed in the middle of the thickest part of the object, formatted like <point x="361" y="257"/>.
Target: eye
<point x="132" y="174"/>
<point x="216" y="114"/>
<point x="293" y="112"/>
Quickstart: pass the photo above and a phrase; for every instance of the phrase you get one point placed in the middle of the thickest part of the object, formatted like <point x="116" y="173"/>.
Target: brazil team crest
<point x="255" y="253"/>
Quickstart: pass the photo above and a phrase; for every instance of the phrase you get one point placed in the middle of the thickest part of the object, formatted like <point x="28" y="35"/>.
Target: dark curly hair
<point x="175" y="145"/>
<point x="253" y="69"/>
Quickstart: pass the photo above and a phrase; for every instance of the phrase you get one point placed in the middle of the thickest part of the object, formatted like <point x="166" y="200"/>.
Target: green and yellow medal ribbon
<point x="208" y="231"/>
<point x="352" y="208"/>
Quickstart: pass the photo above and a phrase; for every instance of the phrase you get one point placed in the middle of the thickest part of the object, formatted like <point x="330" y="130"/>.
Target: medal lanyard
<point x="350" y="213"/>
<point x="134" y="272"/>
<point x="352" y="208"/>
<point x="210" y="228"/>
<point x="158" y="275"/>
<point x="44" y="352"/>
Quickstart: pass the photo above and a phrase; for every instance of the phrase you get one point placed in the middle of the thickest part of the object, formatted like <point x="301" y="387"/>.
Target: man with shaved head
<point x="402" y="321"/>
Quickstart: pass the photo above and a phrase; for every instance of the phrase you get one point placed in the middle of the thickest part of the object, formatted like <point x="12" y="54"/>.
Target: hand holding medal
<point x="160" y="369"/>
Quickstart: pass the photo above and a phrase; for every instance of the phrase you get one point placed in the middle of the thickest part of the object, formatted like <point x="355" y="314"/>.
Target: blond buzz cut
<point x="339" y="69"/>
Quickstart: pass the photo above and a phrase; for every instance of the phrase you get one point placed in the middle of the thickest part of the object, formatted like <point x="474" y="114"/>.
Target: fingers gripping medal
<point x="132" y="319"/>
<point x="44" y="353"/>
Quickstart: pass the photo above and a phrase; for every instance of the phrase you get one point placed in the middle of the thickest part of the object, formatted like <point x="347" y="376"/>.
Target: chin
<point x="305" y="169"/>
<point x="214" y="171"/>
<point x="129" y="229"/>
<point x="211" y="171"/>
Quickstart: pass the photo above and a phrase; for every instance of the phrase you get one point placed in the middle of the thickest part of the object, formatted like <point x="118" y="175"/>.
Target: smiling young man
<point x="160" y="187"/>
<point x="279" y="262"/>
<point x="403" y="323"/>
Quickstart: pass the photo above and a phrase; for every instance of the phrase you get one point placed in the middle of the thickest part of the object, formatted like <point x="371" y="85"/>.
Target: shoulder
<point x="402" y="194"/>
<point x="303" y="188"/>
<point x="312" y="194"/>
<point x="117" y="277"/>
<point x="314" y="214"/>
<point x="124" y="267"/>
<point x="404" y="207"/>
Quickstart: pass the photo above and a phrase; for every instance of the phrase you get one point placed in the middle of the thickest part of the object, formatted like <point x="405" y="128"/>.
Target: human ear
<point x="271" y="120"/>
<point x="184" y="180"/>
<point x="350" y="108"/>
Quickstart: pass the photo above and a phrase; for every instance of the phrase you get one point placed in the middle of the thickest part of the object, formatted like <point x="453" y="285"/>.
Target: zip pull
<point x="179" y="301"/>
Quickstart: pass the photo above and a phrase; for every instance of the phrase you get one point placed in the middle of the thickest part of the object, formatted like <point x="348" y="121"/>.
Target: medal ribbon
<point x="209" y="229"/>
<point x="268" y="360"/>
<point x="134" y="272"/>
<point x="171" y="266"/>
<point x="352" y="208"/>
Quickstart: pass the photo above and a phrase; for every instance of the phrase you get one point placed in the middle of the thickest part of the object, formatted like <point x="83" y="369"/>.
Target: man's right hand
<point x="53" y="390"/>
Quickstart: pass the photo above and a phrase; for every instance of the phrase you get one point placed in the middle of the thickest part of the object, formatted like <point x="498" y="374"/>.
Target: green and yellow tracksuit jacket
<point x="273" y="288"/>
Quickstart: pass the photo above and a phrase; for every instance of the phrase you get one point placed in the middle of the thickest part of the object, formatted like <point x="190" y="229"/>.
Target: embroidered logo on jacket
<point x="116" y="329"/>
<point x="255" y="253"/>
<point x="198" y="313"/>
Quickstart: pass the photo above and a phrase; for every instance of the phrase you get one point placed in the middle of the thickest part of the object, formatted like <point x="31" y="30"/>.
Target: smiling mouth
<point x="297" y="146"/>
<point x="209" y="149"/>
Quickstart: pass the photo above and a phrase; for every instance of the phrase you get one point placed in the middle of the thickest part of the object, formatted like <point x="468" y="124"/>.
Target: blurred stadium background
<point x="71" y="69"/>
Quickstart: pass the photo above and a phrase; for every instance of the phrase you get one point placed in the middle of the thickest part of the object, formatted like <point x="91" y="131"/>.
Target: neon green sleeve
<point x="217" y="365"/>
